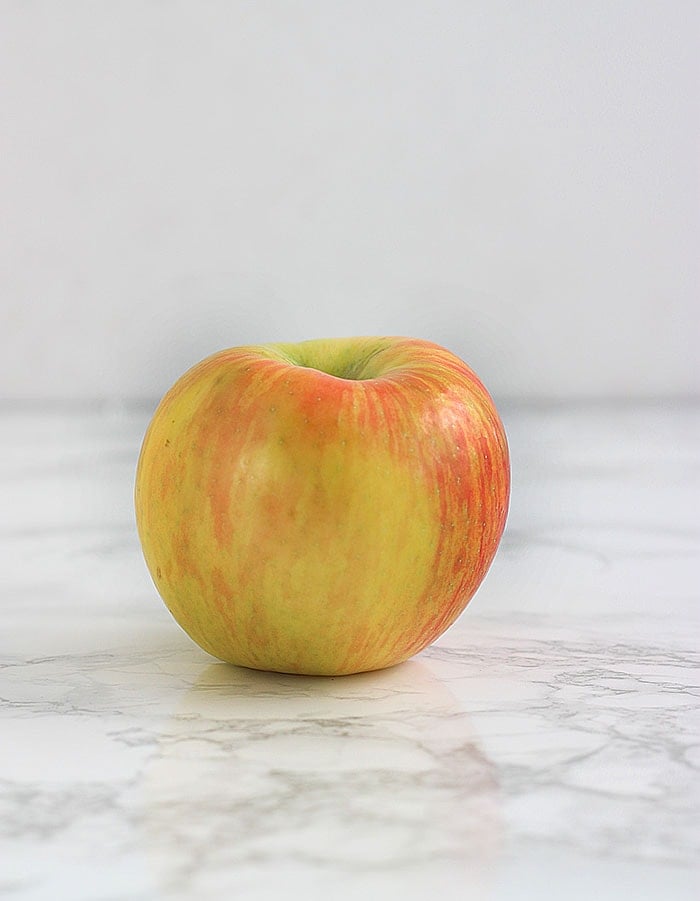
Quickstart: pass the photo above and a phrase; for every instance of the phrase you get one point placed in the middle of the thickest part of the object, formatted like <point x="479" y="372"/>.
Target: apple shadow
<point x="381" y="771"/>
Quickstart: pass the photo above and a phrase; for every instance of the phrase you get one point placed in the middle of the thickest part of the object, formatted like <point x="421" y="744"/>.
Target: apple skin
<point x="326" y="507"/>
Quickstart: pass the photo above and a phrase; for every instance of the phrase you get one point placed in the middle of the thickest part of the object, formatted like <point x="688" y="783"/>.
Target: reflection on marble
<point x="547" y="746"/>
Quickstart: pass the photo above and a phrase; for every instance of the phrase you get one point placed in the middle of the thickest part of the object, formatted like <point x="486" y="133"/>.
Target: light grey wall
<point x="516" y="180"/>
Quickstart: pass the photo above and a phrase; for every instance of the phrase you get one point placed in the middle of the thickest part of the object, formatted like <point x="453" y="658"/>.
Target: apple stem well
<point x="344" y="358"/>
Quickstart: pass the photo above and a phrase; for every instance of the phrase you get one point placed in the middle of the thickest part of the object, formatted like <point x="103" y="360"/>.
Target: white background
<point x="518" y="181"/>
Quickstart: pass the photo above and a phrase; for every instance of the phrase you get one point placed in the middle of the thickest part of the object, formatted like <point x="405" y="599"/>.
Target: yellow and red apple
<point x="323" y="507"/>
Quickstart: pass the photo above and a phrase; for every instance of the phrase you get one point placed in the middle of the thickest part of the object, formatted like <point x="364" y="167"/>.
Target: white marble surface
<point x="547" y="746"/>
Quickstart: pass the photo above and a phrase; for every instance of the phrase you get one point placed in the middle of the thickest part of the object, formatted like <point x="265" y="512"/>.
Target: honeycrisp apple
<point x="323" y="507"/>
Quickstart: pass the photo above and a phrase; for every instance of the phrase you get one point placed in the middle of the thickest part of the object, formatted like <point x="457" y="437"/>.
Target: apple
<point x="326" y="507"/>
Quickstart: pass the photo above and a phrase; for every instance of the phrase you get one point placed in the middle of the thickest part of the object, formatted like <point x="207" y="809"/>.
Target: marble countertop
<point x="547" y="746"/>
